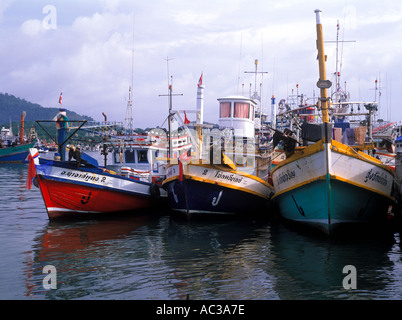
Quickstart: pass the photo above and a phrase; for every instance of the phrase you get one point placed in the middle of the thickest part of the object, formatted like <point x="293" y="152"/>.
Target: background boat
<point x="14" y="149"/>
<point x="14" y="154"/>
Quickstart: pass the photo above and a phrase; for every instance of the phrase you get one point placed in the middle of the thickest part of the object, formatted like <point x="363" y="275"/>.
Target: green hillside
<point x="12" y="107"/>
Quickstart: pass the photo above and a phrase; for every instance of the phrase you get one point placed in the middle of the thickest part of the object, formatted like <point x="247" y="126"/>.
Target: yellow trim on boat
<point x="347" y="150"/>
<point x="188" y="177"/>
<point x="253" y="178"/>
<point x="227" y="161"/>
<point x="224" y="168"/>
<point x="298" y="186"/>
<point x="301" y="153"/>
<point x="337" y="147"/>
<point x="332" y="177"/>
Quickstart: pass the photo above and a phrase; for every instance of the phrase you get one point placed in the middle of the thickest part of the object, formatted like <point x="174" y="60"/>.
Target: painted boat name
<point x="376" y="177"/>
<point x="231" y="177"/>
<point x="84" y="176"/>
<point x="286" y="176"/>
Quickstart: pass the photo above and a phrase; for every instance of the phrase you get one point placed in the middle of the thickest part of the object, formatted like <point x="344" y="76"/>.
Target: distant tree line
<point x="11" y="109"/>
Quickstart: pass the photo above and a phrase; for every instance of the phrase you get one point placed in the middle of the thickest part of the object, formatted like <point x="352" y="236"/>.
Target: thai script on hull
<point x="84" y="176"/>
<point x="229" y="177"/>
<point x="286" y="176"/>
<point x="376" y="177"/>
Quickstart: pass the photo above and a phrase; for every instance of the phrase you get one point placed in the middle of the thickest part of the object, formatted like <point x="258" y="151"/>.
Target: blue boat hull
<point x="200" y="198"/>
<point x="15" y="154"/>
<point x="328" y="205"/>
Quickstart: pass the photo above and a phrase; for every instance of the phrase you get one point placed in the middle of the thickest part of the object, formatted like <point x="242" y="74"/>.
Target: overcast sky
<point x="84" y="47"/>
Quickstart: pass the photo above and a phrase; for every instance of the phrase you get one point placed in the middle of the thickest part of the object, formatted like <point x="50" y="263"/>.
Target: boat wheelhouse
<point x="238" y="113"/>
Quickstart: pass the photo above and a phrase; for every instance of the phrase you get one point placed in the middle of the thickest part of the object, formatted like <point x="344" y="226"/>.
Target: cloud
<point x="89" y="54"/>
<point x="189" y="17"/>
<point x="32" y="27"/>
<point x="110" y="5"/>
<point x="4" y="4"/>
<point x="99" y="26"/>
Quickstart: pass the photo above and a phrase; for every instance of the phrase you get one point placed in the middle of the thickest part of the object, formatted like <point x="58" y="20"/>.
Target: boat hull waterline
<point x="71" y="191"/>
<point x="350" y="187"/>
<point x="208" y="190"/>
<point x="15" y="154"/>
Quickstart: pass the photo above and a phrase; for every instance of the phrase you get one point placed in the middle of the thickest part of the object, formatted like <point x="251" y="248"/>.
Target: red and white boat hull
<point x="65" y="199"/>
<point x="71" y="191"/>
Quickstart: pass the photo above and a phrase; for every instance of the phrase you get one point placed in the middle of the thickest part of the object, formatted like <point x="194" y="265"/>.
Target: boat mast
<point x="170" y="117"/>
<point x="338" y="96"/>
<point x="170" y="103"/>
<point x="129" y="111"/>
<point x="22" y="127"/>
<point x="337" y="72"/>
<point x="256" y="72"/>
<point x="200" y="114"/>
<point x="322" y="83"/>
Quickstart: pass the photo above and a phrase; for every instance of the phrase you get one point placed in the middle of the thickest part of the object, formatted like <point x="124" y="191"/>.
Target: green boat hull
<point x="328" y="205"/>
<point x="15" y="154"/>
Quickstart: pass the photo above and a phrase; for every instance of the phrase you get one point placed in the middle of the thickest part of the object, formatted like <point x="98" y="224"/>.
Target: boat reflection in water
<point x="85" y="254"/>
<point x="159" y="257"/>
<point x="306" y="267"/>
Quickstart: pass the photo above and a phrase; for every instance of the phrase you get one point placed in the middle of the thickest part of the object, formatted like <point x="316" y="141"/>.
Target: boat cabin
<point x="237" y="112"/>
<point x="398" y="145"/>
<point x="145" y="157"/>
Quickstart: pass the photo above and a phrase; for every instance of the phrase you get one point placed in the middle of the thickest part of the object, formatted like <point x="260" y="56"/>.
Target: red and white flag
<point x="200" y="81"/>
<point x="183" y="159"/>
<point x="186" y="121"/>
<point x="61" y="98"/>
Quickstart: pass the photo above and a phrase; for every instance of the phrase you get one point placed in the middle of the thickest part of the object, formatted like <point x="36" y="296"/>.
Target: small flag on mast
<point x="186" y="121"/>
<point x="200" y="81"/>
<point x="61" y="98"/>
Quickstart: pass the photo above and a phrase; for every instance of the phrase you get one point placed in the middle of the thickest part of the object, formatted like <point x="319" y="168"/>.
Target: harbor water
<point x="153" y="256"/>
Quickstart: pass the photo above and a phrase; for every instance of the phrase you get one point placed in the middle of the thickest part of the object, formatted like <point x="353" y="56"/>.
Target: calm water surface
<point x="154" y="256"/>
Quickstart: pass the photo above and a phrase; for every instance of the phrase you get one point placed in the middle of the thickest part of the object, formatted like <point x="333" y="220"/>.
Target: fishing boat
<point x="71" y="189"/>
<point x="79" y="187"/>
<point x="328" y="184"/>
<point x="397" y="148"/>
<point x="14" y="149"/>
<point x="384" y="139"/>
<point x="15" y="153"/>
<point x="130" y="179"/>
<point x="201" y="189"/>
<point x="221" y="181"/>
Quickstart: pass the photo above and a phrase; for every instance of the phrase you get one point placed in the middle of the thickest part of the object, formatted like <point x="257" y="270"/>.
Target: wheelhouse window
<point x="142" y="156"/>
<point x="225" y="110"/>
<point x="116" y="157"/>
<point x="241" y="110"/>
<point x="129" y="155"/>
